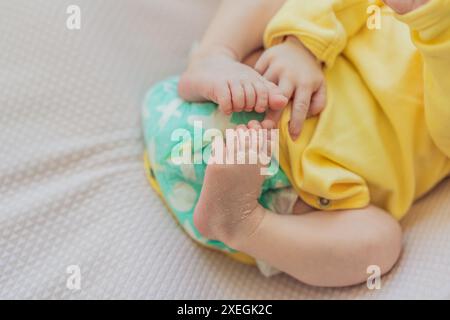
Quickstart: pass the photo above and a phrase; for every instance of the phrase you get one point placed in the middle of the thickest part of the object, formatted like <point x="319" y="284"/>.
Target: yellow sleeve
<point x="430" y="29"/>
<point x="323" y="26"/>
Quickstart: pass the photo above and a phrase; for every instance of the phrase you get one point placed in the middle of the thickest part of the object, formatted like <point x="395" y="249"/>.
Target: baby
<point x="363" y="120"/>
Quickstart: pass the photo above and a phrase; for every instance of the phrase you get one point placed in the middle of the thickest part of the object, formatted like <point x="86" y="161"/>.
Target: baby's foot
<point x="405" y="6"/>
<point x="228" y="208"/>
<point x="234" y="86"/>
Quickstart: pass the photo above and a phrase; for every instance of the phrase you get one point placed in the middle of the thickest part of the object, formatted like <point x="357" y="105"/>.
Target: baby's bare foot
<point x="228" y="208"/>
<point x="234" y="86"/>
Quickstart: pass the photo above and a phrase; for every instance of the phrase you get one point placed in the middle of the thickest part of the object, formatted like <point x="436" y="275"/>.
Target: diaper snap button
<point x="324" y="203"/>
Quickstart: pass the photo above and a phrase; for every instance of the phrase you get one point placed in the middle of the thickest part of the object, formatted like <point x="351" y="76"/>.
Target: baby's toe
<point x="268" y="124"/>
<point x="250" y="96"/>
<point x="223" y="98"/>
<point x="262" y="97"/>
<point x="254" y="124"/>
<point x="237" y="96"/>
<point x="241" y="127"/>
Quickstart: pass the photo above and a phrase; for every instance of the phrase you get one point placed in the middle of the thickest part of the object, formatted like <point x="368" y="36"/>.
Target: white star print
<point x="168" y="111"/>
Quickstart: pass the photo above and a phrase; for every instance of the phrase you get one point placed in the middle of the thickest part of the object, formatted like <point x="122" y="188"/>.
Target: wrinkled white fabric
<point x="72" y="184"/>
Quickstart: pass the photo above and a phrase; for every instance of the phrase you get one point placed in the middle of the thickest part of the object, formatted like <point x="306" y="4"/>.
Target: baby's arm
<point x="323" y="26"/>
<point x="239" y="27"/>
<point x="296" y="39"/>
<point x="430" y="29"/>
<point x="215" y="72"/>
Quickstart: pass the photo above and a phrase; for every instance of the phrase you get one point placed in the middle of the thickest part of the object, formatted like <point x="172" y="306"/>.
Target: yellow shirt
<point x="384" y="137"/>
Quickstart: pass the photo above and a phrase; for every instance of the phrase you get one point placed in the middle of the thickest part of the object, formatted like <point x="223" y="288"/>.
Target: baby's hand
<point x="234" y="86"/>
<point x="299" y="76"/>
<point x="405" y="6"/>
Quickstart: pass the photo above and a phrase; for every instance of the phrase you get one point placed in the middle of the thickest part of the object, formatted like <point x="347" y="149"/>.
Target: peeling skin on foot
<point x="230" y="193"/>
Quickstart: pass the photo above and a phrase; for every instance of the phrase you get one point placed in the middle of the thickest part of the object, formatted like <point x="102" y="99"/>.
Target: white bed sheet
<point x="72" y="185"/>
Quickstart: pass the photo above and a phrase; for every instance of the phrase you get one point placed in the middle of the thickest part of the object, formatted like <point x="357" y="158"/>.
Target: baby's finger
<point x="262" y="64"/>
<point x="250" y="96"/>
<point x="262" y="96"/>
<point x="271" y="75"/>
<point x="286" y="87"/>
<point x="237" y="96"/>
<point x="318" y="101"/>
<point x="300" y="108"/>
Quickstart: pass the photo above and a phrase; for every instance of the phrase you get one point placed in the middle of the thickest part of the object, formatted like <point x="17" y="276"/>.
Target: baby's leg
<point x="331" y="249"/>
<point x="319" y="248"/>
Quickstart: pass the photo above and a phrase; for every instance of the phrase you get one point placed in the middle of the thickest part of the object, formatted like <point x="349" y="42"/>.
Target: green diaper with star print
<point x="168" y="124"/>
